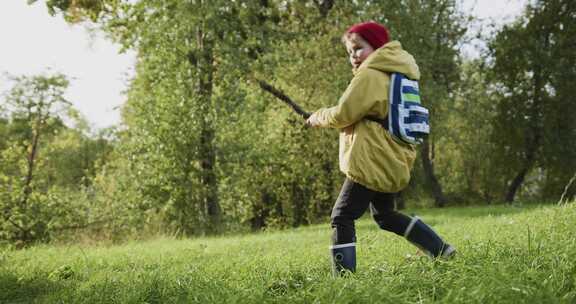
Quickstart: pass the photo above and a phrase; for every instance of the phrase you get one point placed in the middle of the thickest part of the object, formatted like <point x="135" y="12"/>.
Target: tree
<point x="471" y="175"/>
<point x="35" y="103"/>
<point x="46" y="167"/>
<point x="529" y="73"/>
<point x="191" y="56"/>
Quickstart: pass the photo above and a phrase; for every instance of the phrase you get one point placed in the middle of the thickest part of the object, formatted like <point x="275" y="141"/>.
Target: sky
<point x="33" y="42"/>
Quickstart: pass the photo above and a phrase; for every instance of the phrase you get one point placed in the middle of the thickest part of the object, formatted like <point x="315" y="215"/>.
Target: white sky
<point x="32" y="42"/>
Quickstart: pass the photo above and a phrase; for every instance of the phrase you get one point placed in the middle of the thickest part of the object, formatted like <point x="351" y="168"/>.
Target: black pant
<point x="353" y="201"/>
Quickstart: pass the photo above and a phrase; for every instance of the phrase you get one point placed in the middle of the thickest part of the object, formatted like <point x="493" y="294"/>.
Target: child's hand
<point x="312" y="121"/>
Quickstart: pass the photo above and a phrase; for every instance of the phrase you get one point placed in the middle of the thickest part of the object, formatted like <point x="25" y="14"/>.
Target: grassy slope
<point x="506" y="255"/>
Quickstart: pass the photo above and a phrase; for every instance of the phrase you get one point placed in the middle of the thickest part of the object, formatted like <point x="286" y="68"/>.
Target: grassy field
<point x="506" y="255"/>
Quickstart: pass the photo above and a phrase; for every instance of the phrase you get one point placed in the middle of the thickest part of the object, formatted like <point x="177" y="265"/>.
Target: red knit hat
<point x="374" y="33"/>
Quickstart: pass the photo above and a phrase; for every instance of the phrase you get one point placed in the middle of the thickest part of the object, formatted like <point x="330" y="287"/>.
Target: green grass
<point x="506" y="255"/>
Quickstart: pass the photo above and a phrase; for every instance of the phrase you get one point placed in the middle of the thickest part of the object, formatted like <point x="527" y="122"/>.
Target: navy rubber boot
<point x="343" y="258"/>
<point x="427" y="240"/>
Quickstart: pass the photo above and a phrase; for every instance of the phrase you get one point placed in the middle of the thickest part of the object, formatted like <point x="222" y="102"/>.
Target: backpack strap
<point x="382" y="121"/>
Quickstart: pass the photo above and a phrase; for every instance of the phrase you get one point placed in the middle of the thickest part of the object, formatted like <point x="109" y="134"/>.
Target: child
<point x="376" y="165"/>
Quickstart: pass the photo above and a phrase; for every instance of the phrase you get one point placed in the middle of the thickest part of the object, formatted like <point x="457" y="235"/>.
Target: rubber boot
<point x="423" y="237"/>
<point x="343" y="258"/>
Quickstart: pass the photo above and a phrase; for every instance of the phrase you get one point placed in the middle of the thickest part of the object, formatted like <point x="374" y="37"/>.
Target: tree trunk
<point x="428" y="165"/>
<point x="208" y="179"/>
<point x="298" y="197"/>
<point x="207" y="154"/>
<point x="324" y="6"/>
<point x="532" y="149"/>
<point x="326" y="207"/>
<point x="533" y="142"/>
<point x="516" y="183"/>
<point x="31" y="163"/>
<point x="261" y="211"/>
<point x="24" y="235"/>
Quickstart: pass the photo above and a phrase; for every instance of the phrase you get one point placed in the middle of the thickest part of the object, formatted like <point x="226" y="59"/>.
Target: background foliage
<point x="202" y="149"/>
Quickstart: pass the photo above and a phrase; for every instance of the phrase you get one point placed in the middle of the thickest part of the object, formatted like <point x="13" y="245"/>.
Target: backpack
<point x="408" y="120"/>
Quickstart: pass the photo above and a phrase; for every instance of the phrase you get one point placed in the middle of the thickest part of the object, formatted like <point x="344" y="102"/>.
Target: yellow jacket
<point x="368" y="154"/>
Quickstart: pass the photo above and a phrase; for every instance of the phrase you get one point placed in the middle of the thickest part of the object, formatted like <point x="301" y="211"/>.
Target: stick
<point x="280" y="95"/>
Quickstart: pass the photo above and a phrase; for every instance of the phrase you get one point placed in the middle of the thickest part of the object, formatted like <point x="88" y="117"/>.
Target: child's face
<point x="358" y="49"/>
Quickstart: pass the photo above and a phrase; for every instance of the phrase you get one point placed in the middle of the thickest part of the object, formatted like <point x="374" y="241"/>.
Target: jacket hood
<point x="392" y="58"/>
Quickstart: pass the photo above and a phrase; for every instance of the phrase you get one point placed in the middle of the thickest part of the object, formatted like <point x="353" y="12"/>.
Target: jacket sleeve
<point x="357" y="100"/>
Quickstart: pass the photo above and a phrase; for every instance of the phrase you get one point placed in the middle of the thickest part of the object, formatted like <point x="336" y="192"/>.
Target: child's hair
<point x="352" y="37"/>
<point x="374" y="33"/>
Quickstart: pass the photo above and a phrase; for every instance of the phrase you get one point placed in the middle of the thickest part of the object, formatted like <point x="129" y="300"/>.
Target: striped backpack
<point x="408" y="120"/>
